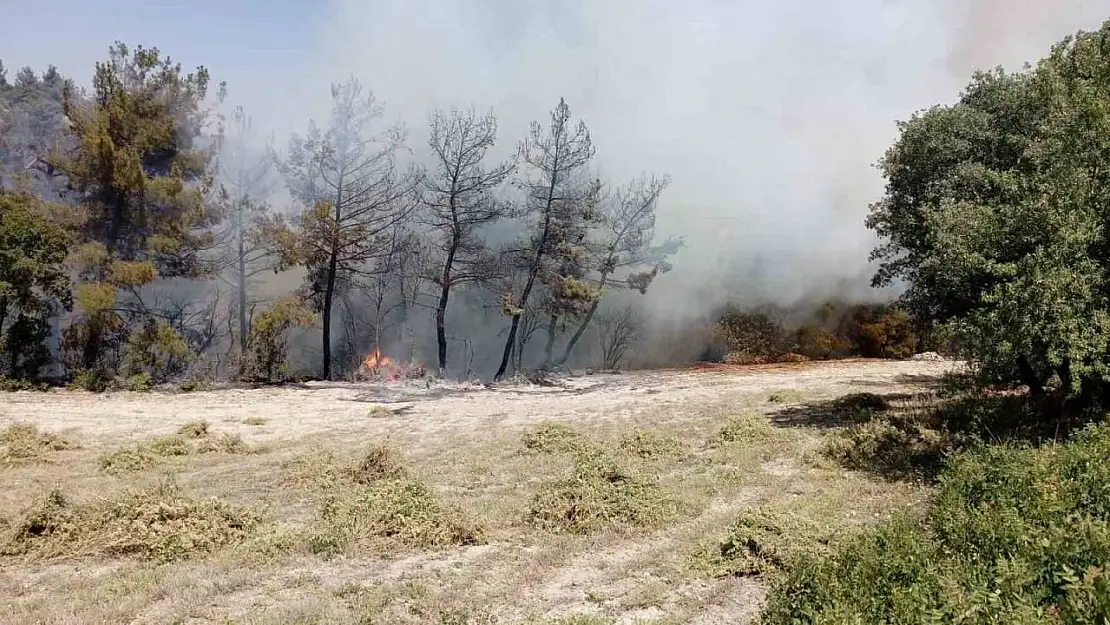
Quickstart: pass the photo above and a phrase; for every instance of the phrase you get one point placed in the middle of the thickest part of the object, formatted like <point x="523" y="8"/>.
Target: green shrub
<point x="92" y="380"/>
<point x="1013" y="535"/>
<point x="12" y="385"/>
<point x="140" y="382"/>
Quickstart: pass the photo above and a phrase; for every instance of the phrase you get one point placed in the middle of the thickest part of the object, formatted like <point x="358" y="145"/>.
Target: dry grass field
<point x="654" y="497"/>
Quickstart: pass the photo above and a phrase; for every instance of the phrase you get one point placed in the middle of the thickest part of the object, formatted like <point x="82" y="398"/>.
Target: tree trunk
<point x="508" y="351"/>
<point x="532" y="273"/>
<point x="585" y="322"/>
<point x="243" y="329"/>
<point x="550" y="346"/>
<point x="1030" y="378"/>
<point x="329" y="294"/>
<point x="333" y="266"/>
<point x="441" y="308"/>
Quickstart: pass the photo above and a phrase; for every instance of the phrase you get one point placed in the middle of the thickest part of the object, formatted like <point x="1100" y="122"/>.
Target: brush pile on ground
<point x="162" y="524"/>
<point x="602" y="490"/>
<point x="23" y="442"/>
<point x="378" y="500"/>
<point x="192" y="439"/>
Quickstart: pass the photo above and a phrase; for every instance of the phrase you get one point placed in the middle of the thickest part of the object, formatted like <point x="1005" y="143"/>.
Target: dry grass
<point x="24" y="442"/>
<point x="603" y="504"/>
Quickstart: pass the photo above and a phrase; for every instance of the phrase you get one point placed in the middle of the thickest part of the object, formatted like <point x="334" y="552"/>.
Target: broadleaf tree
<point x="995" y="218"/>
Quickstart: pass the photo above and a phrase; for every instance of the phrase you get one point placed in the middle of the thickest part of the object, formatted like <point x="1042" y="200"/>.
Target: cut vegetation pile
<point x="193" y="438"/>
<point x="24" y="442"/>
<point x="162" y="524"/>
<point x="649" y="444"/>
<point x="601" y="490"/>
<point x="1014" y="535"/>
<point x="745" y="428"/>
<point x="378" y="500"/>
<point x="601" y="493"/>
<point x="766" y="540"/>
<point x="555" y="438"/>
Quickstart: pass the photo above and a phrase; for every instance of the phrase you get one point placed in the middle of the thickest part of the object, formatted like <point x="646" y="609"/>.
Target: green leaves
<point x="994" y="215"/>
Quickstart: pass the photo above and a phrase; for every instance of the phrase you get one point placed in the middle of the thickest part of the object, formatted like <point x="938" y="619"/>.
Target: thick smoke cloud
<point x="768" y="115"/>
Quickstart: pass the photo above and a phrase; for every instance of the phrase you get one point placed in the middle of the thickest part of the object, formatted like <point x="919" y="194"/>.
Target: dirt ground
<point x="465" y="442"/>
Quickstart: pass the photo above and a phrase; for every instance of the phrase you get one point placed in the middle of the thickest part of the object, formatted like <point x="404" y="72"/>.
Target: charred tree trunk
<point x="549" y="347"/>
<point x="441" y="307"/>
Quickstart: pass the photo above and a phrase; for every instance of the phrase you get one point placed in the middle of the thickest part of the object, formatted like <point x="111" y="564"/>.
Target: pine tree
<point x="141" y="171"/>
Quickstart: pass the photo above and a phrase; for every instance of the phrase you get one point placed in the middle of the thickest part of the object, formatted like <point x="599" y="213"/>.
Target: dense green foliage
<point x="995" y="218"/>
<point x="1014" y="535"/>
<point x="33" y="282"/>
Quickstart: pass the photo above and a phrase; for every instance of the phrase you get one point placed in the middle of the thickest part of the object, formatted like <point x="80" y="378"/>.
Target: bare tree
<point x="559" y="195"/>
<point x="459" y="201"/>
<point x="348" y="178"/>
<point x="618" y="330"/>
<point x="247" y="173"/>
<point x="625" y="258"/>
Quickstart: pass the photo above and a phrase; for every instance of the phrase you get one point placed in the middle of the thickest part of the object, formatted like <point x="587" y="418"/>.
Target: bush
<point x="162" y="524"/>
<point x="600" y="493"/>
<point x="92" y="380"/>
<point x="155" y="353"/>
<point x="756" y="333"/>
<point x="1014" y="535"/>
<point x="14" y="385"/>
<point x="267" y="351"/>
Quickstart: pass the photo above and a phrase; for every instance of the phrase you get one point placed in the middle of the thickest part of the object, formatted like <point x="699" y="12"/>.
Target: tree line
<point x="142" y="234"/>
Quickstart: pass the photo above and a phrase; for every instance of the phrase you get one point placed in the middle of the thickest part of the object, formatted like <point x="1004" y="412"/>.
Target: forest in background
<point x="149" y="237"/>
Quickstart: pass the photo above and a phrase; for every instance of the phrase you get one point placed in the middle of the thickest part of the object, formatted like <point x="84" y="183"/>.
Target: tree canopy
<point x="995" y="217"/>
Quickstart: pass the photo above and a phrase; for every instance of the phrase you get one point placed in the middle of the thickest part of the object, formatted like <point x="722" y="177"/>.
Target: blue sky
<point x="252" y="44"/>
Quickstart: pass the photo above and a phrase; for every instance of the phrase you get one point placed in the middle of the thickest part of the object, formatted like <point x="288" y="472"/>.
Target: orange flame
<point x="376" y="360"/>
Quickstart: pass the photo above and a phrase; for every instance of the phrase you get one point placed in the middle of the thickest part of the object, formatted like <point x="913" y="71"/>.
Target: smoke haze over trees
<point x="390" y="183"/>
